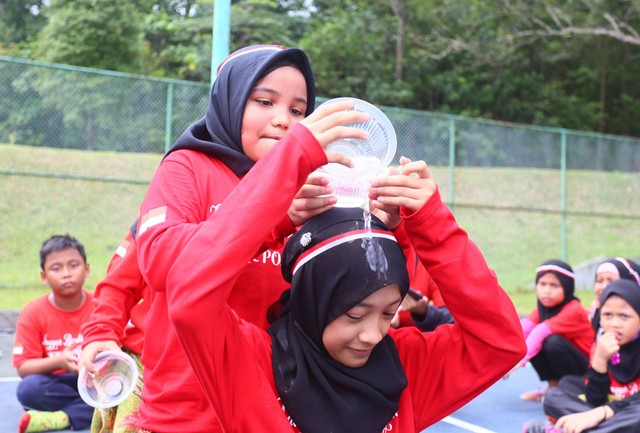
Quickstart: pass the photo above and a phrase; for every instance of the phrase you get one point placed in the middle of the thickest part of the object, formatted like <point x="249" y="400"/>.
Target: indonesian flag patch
<point x="153" y="217"/>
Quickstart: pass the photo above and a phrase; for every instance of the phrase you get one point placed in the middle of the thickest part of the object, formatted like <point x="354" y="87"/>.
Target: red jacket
<point x="572" y="322"/>
<point x="190" y="199"/>
<point x="446" y="368"/>
<point x="121" y="302"/>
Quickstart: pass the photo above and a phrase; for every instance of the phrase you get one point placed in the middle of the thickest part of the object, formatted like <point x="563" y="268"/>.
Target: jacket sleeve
<point x="598" y="384"/>
<point x="115" y="296"/>
<point x="535" y="340"/>
<point x="452" y="365"/>
<point x="201" y="278"/>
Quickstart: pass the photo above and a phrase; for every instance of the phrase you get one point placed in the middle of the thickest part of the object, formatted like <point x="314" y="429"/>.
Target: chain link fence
<point x="80" y="145"/>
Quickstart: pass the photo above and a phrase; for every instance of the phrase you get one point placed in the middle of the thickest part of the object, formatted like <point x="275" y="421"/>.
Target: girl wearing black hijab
<point x="330" y="362"/>
<point x="259" y="97"/>
<point x="610" y="401"/>
<point x="558" y="332"/>
<point x="610" y="270"/>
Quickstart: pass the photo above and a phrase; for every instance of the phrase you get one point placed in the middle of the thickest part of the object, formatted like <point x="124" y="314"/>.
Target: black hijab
<point x="629" y="367"/>
<point x="333" y="264"/>
<point x="628" y="270"/>
<point x="565" y="274"/>
<point x="218" y="133"/>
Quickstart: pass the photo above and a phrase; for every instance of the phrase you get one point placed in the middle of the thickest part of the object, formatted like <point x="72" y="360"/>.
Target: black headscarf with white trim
<point x="565" y="274"/>
<point x="333" y="264"/>
<point x="627" y="270"/>
<point x="218" y="133"/>
<point x="628" y="368"/>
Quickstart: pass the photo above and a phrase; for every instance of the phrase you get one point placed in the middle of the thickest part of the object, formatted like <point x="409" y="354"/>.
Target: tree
<point x="102" y="34"/>
<point x="20" y="20"/>
<point x="97" y="33"/>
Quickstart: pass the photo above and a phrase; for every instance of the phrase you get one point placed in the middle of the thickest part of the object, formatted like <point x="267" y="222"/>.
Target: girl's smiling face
<point x="275" y="105"/>
<point x="619" y="317"/>
<point x="351" y="337"/>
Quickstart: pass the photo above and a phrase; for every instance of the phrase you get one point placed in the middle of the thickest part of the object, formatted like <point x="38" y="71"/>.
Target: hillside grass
<point x="98" y="210"/>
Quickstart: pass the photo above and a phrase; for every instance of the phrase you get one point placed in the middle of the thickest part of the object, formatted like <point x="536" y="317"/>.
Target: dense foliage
<point x="565" y="63"/>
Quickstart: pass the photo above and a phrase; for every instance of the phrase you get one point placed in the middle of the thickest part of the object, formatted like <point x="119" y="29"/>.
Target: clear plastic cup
<point x="351" y="185"/>
<point x="371" y="157"/>
<point x="382" y="141"/>
<point x="115" y="379"/>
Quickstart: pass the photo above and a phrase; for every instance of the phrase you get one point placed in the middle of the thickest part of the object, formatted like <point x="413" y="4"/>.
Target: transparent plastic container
<point x="382" y="141"/>
<point x="114" y="381"/>
<point x="371" y="157"/>
<point x="351" y="185"/>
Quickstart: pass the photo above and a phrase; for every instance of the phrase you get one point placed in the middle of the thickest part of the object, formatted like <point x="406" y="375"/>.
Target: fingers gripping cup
<point x="115" y="379"/>
<point x="371" y="157"/>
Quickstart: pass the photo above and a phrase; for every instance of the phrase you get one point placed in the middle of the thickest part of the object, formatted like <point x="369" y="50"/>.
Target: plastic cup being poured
<point x="371" y="157"/>
<point x="115" y="379"/>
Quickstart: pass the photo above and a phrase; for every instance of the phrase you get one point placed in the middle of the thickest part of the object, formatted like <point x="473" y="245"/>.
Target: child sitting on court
<point x="48" y="341"/>
<point x="610" y="400"/>
<point x="558" y="331"/>
<point x="329" y="361"/>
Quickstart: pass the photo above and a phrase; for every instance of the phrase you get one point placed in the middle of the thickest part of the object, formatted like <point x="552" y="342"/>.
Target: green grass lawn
<point x="95" y="196"/>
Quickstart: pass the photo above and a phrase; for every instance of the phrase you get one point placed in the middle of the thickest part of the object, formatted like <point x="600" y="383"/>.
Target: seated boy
<point x="48" y="341"/>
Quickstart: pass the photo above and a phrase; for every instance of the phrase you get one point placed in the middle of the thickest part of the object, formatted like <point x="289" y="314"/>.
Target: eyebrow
<point x="368" y="305"/>
<point x="275" y="92"/>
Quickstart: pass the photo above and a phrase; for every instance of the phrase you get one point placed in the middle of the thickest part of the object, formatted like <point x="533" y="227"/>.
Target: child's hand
<point x="67" y="359"/>
<point x="91" y="350"/>
<point x="416" y="307"/>
<point x="606" y="346"/>
<point x="311" y="200"/>
<point x="409" y="186"/>
<point x="326" y="124"/>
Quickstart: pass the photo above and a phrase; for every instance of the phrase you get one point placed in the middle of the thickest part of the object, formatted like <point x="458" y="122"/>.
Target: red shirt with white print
<point x="43" y="330"/>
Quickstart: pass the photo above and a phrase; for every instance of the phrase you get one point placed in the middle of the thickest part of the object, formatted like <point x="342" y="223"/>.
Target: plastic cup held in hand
<point x="371" y="157"/>
<point x="115" y="379"/>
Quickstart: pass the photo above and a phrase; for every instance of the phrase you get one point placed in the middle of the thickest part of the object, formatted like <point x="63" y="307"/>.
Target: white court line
<point x="9" y="379"/>
<point x="467" y="426"/>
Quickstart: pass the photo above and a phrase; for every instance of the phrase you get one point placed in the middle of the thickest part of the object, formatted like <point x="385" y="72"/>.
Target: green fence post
<point x="220" y="34"/>
<point x="168" y="124"/>
<point x="563" y="192"/>
<point x="452" y="159"/>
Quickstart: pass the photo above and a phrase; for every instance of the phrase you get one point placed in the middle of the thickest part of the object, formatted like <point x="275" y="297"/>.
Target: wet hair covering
<point x="627" y="270"/>
<point x="218" y="133"/>
<point x="565" y="274"/>
<point x="332" y="265"/>
<point x="629" y="367"/>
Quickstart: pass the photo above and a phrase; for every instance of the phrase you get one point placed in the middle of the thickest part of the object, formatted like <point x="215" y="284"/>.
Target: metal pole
<point x="220" y="34"/>
<point x="452" y="161"/>
<point x="563" y="186"/>
<point x="168" y="120"/>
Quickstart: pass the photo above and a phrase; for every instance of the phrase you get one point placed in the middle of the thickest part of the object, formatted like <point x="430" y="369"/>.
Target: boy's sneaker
<point x="539" y="426"/>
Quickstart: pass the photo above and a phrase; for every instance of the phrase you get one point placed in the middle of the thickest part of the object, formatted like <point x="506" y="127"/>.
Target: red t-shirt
<point x="43" y="330"/>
